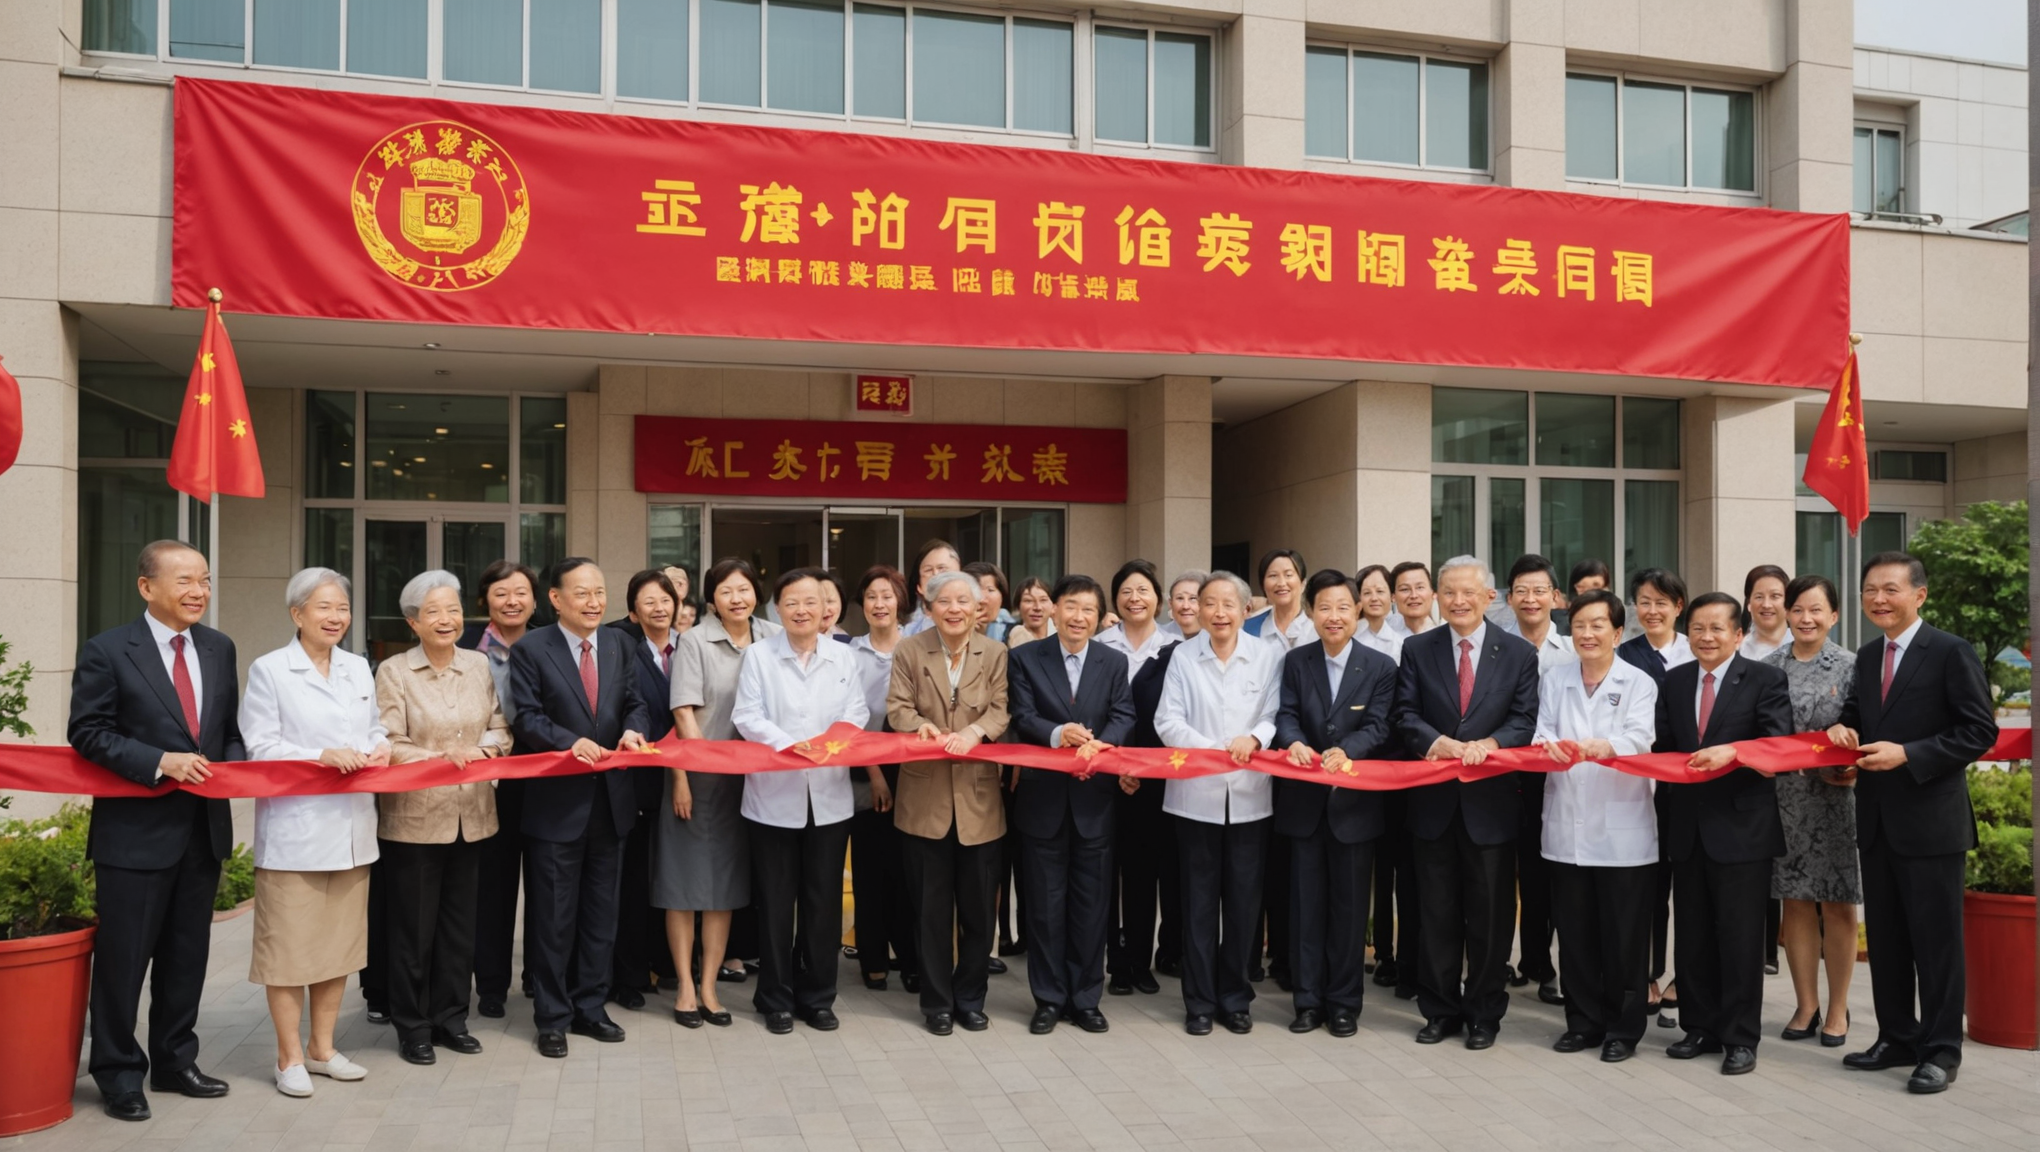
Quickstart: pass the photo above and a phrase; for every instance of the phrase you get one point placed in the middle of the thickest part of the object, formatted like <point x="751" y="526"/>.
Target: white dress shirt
<point x="1556" y="649"/>
<point x="875" y="669"/>
<point x="1207" y="704"/>
<point x="1755" y="647"/>
<point x="1388" y="641"/>
<point x="292" y="713"/>
<point x="780" y="703"/>
<point x="1116" y="639"/>
<point x="1594" y="815"/>
<point x="1903" y="644"/>
<point x="1720" y="675"/>
<point x="1073" y="667"/>
<point x="1300" y="630"/>
<point x="163" y="634"/>
<point x="1676" y="653"/>
<point x="1479" y="639"/>
<point x="1335" y="667"/>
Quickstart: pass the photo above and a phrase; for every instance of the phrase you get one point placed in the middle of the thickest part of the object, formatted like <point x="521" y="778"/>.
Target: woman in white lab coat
<point x="1600" y="832"/>
<point x="312" y="700"/>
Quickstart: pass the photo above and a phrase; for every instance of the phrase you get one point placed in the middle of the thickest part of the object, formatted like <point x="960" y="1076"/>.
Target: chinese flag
<point x="10" y="419"/>
<point x="1837" y="463"/>
<point x="215" y="448"/>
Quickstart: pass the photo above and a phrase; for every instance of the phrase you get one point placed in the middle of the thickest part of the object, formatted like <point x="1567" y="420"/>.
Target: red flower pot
<point x="1998" y="945"/>
<point x="44" y="981"/>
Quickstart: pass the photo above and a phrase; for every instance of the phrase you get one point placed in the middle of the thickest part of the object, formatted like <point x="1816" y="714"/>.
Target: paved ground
<point x="883" y="1083"/>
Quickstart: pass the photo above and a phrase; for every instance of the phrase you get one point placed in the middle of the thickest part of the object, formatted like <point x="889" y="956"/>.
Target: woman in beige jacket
<point x="949" y="688"/>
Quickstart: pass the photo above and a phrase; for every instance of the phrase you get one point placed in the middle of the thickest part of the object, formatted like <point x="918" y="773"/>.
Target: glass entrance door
<point x="394" y="550"/>
<point x="858" y="539"/>
<point x="774" y="540"/>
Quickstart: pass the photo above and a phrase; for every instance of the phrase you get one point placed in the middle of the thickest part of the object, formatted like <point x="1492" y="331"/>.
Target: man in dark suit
<point x="1721" y="832"/>
<point x="1919" y="712"/>
<point x="1068" y="693"/>
<point x="1338" y="704"/>
<point x="156" y="700"/>
<point x="575" y="689"/>
<point x="1465" y="691"/>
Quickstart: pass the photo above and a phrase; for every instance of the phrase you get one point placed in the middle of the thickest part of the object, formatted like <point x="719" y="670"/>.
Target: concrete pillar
<point x="1529" y="98"/>
<point x="1168" y="498"/>
<point x="1809" y="110"/>
<point x="1261" y="77"/>
<point x="262" y="541"/>
<point x="1739" y="491"/>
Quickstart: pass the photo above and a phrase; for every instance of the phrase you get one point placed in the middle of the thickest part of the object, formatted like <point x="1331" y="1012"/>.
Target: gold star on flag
<point x="238" y="428"/>
<point x="205" y="360"/>
<point x="205" y="397"/>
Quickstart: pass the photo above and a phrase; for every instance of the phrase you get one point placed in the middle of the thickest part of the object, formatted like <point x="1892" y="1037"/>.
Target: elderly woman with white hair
<point x="438" y="702"/>
<point x="312" y="700"/>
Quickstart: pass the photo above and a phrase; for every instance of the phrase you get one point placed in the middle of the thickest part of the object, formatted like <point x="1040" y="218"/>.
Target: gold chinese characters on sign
<point x="440" y="206"/>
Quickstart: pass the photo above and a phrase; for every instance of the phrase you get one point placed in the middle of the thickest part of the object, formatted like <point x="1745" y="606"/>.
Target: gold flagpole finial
<point x="215" y="295"/>
<point x="1855" y="338"/>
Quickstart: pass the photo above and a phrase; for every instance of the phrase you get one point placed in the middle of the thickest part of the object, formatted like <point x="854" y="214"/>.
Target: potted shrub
<point x="1998" y="909"/>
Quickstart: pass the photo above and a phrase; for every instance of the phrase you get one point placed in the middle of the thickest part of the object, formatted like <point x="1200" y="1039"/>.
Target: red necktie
<point x="666" y="660"/>
<point x="1706" y="702"/>
<point x="1465" y="675"/>
<point x="1890" y="666"/>
<point x="588" y="674"/>
<point x="180" y="677"/>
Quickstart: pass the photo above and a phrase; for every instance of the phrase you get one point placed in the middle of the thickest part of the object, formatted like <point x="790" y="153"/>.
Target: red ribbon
<point x="58" y="769"/>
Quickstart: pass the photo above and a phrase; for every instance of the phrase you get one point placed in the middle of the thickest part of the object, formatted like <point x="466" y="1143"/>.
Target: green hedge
<point x="46" y="883"/>
<point x="2002" y="861"/>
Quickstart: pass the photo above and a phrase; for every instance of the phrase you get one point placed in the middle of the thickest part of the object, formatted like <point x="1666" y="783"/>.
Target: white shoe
<point x="339" y="1067"/>
<point x="294" y="1081"/>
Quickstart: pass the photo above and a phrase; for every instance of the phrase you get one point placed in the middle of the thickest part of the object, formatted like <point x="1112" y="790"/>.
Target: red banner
<point x="880" y="461"/>
<point x="303" y="202"/>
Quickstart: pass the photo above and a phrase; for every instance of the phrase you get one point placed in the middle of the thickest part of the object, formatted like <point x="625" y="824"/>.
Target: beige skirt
<point x="309" y="926"/>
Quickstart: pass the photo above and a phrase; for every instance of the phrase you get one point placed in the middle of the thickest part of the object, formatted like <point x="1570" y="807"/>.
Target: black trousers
<point x="640" y="928"/>
<point x="570" y="919"/>
<point x="1065" y="885"/>
<point x="1275" y="899"/>
<point x="1468" y="892"/>
<point x="1222" y="877"/>
<point x="1661" y="920"/>
<point x="1603" y="919"/>
<point x="374" y="978"/>
<point x="1913" y="906"/>
<point x="953" y="887"/>
<point x="1397" y="916"/>
<point x="1148" y="885"/>
<point x="1010" y="907"/>
<point x="885" y="923"/>
<point x="1720" y="946"/>
<point x="500" y="869"/>
<point x="1329" y="882"/>
<point x="429" y="923"/>
<point x="797" y="888"/>
<point x="1533" y="884"/>
<point x="153" y="922"/>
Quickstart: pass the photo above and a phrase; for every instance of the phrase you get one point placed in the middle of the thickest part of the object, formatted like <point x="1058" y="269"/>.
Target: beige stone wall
<point x="1989" y="468"/>
<point x="261" y="541"/>
<point x="1943" y="316"/>
<point x="1169" y="482"/>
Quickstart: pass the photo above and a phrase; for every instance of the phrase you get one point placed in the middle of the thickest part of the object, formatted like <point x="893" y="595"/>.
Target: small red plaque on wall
<point x="893" y="395"/>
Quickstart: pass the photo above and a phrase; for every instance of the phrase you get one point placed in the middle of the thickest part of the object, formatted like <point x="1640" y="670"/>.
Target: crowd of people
<point x="644" y="878"/>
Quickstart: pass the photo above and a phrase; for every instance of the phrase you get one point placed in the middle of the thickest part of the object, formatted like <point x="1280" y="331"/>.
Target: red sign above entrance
<point x="893" y="395"/>
<point x="807" y="458"/>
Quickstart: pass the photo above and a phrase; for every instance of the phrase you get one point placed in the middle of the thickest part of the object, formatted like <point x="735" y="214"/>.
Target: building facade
<point x="390" y="448"/>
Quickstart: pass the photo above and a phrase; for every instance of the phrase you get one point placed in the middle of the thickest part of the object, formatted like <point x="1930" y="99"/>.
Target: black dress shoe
<point x="996" y="966"/>
<point x="875" y="982"/>
<point x="779" y="1023"/>
<point x="1044" y="1020"/>
<point x="726" y="976"/>
<point x="1480" y="1037"/>
<point x="461" y="1042"/>
<point x="1929" y="1078"/>
<point x="1692" y="1046"/>
<point x="941" y="1023"/>
<point x="1616" y="1051"/>
<point x="1385" y="974"/>
<point x="188" y="1081"/>
<point x="687" y="1017"/>
<point x="1574" y="1042"/>
<point x="1169" y="967"/>
<point x="417" y="1052"/>
<point x="1197" y="1024"/>
<point x="1119" y="986"/>
<point x="1257" y="973"/>
<point x="1436" y="1031"/>
<point x="910" y="982"/>
<point x="821" y="1020"/>
<point x="127" y="1106"/>
<point x="1806" y="1033"/>
<point x="1879" y="1056"/>
<point x="1089" y="1019"/>
<point x="1344" y="1022"/>
<point x="491" y="1007"/>
<point x="719" y="1019"/>
<point x="1834" y="1040"/>
<point x="1013" y="948"/>
<point x="600" y="1029"/>
<point x="1548" y="992"/>
<point x="1237" y="1023"/>
<point x="1307" y="1020"/>
<point x="629" y="998"/>
<point x="377" y="1014"/>
<point x="552" y="1043"/>
<point x="1281" y="975"/>
<point x="971" y="1020"/>
<point x="1738" y="1060"/>
<point x="1516" y="977"/>
<point x="1145" y="984"/>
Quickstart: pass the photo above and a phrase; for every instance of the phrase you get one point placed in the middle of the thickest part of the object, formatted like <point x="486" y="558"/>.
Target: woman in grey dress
<point x="700" y="854"/>
<point x="1819" y="877"/>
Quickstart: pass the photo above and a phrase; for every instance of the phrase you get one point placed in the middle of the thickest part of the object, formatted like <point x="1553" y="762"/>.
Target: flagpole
<point x="1852" y="545"/>
<point x="212" y="536"/>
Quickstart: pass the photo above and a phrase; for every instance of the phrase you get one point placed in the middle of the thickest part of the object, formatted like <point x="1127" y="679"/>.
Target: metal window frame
<point x="848" y="506"/>
<point x="1757" y="142"/>
<point x="1874" y="127"/>
<point x="1423" y="60"/>
<point x="1213" y="82"/>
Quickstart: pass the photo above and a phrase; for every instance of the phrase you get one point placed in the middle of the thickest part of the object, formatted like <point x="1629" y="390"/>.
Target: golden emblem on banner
<point x="429" y="194"/>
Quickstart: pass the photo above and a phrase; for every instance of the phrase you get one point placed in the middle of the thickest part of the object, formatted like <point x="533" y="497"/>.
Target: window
<point x="1566" y="475"/>
<point x="1661" y="134"/>
<point x="1152" y="87"/>
<point x="1880" y="170"/>
<point x="1420" y="111"/>
<point x="1888" y="464"/>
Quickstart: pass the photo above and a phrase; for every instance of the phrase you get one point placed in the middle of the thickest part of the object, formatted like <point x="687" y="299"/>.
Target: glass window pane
<point x="329" y="447"/>
<point x="329" y="540"/>
<point x="1121" y="83"/>
<point x="1479" y="426"/>
<point x="1031" y="544"/>
<point x="1818" y="550"/>
<point x="566" y="45"/>
<point x="805" y="39"/>
<point x="1590" y="127"/>
<point x="879" y="37"/>
<point x="542" y="447"/>
<point x="438" y="447"/>
<point x="1451" y="518"/>
<point x="484" y="41"/>
<point x="1577" y="519"/>
<point x="1650" y="528"/>
<point x="394" y="551"/>
<point x="1044" y="76"/>
<point x="1324" y="102"/>
<point x="1883" y="532"/>
<point x="959" y="68"/>
<point x="208" y="29"/>
<point x="730" y="52"/>
<point x="1654" y="134"/>
<point x="1455" y="114"/>
<point x="1575" y="431"/>
<point x="1182" y="89"/>
<point x="119" y="510"/>
<point x="542" y="543"/>
<point x="128" y="411"/>
<point x="1890" y="169"/>
<point x="466" y="547"/>
<point x="651" y="49"/>
<point x="1724" y="140"/>
<point x="673" y="536"/>
<point x="298" y="33"/>
<point x="1650" y="432"/>
<point x="386" y="37"/>
<point x="1505" y="520"/>
<point x="1862" y="198"/>
<point x="120" y="26"/>
<point x="1385" y="108"/>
